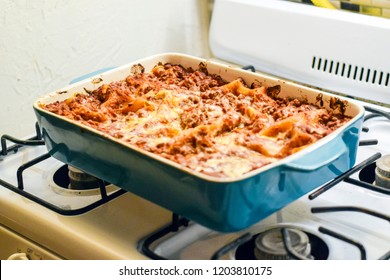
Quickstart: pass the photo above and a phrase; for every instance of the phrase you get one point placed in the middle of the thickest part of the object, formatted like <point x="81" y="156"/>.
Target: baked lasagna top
<point x="199" y="120"/>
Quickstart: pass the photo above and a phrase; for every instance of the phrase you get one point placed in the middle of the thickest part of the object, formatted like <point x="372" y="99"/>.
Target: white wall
<point x="46" y="43"/>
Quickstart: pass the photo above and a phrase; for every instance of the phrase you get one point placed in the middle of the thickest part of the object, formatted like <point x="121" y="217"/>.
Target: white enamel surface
<point x="281" y="37"/>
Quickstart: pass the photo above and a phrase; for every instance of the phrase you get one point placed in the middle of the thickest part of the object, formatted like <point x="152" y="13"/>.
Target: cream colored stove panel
<point x="16" y="247"/>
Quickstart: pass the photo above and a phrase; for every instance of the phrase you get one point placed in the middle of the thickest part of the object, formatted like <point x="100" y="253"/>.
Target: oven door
<point x="16" y="247"/>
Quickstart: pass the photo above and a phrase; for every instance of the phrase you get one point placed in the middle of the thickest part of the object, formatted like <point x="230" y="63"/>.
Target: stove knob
<point x="18" y="256"/>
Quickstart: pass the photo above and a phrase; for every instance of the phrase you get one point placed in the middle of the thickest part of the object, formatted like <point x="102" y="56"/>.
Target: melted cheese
<point x="199" y="120"/>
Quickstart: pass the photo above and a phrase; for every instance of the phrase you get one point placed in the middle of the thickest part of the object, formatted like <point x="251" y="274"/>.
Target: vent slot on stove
<point x="349" y="71"/>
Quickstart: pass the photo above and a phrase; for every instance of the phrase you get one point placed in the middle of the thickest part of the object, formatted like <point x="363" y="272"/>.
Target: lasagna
<point x="201" y="121"/>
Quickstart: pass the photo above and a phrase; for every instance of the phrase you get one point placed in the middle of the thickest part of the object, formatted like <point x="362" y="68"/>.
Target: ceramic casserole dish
<point x="222" y="204"/>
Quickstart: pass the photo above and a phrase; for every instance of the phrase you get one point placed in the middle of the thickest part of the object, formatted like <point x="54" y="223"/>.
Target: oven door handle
<point x="320" y="157"/>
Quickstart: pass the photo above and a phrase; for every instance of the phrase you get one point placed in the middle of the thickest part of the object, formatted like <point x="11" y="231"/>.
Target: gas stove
<point x="347" y="218"/>
<point x="51" y="211"/>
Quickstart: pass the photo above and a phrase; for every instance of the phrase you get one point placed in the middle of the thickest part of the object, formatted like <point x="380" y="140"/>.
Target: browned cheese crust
<point x="199" y="120"/>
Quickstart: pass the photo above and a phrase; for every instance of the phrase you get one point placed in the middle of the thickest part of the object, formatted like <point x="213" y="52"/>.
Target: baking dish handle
<point x="320" y="157"/>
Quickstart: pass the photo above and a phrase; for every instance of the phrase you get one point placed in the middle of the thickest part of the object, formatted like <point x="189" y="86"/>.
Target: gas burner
<point x="80" y="180"/>
<point x="68" y="180"/>
<point x="270" y="245"/>
<point x="382" y="172"/>
<point x="377" y="173"/>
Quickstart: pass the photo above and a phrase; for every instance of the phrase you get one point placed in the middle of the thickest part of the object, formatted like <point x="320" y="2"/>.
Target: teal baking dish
<point x="222" y="204"/>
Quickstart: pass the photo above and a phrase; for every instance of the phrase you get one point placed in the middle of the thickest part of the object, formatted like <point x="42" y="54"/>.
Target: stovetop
<point x="346" y="218"/>
<point x="342" y="220"/>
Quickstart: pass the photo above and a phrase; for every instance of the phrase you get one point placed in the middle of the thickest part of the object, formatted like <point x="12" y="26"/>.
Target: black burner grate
<point x="20" y="188"/>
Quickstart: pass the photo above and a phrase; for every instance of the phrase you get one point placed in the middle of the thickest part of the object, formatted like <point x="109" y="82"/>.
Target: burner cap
<point x="59" y="181"/>
<point x="80" y="180"/>
<point x="269" y="245"/>
<point x="382" y="172"/>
